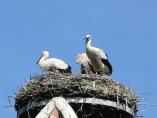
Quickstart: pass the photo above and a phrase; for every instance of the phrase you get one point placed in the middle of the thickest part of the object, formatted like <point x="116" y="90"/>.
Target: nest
<point x="49" y="85"/>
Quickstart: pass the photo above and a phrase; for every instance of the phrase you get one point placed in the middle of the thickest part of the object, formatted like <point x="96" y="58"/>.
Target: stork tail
<point x="68" y="70"/>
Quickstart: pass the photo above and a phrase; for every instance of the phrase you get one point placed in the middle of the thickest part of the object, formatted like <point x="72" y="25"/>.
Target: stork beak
<point x="38" y="60"/>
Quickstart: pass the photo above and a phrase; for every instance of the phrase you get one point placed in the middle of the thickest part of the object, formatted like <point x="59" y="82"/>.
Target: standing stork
<point x="98" y="58"/>
<point x="85" y="64"/>
<point x="52" y="64"/>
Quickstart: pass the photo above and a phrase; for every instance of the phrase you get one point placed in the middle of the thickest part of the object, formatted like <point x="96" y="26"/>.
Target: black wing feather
<point x="107" y="63"/>
<point x="68" y="70"/>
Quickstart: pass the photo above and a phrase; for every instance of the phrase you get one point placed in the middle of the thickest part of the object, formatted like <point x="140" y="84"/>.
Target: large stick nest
<point x="49" y="85"/>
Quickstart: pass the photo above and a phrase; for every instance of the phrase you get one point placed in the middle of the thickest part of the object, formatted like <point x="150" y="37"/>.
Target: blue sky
<point x="125" y="29"/>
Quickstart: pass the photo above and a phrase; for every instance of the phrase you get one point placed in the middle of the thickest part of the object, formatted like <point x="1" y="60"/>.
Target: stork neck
<point x="42" y="59"/>
<point x="88" y="44"/>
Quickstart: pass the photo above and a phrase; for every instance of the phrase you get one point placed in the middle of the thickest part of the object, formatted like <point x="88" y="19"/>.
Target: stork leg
<point x="97" y="75"/>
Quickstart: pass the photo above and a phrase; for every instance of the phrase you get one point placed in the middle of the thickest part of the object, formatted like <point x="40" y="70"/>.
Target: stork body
<point x="85" y="64"/>
<point x="98" y="58"/>
<point x="52" y="64"/>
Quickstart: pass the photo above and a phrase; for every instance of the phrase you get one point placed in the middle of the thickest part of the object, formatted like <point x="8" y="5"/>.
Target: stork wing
<point x="57" y="63"/>
<point x="107" y="63"/>
<point x="99" y="52"/>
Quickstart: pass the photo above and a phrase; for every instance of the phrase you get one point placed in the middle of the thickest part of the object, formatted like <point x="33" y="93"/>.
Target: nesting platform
<point x="90" y="96"/>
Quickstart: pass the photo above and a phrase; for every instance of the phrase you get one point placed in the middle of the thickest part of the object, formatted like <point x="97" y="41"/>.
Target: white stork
<point x="98" y="58"/>
<point x="52" y="64"/>
<point x="85" y="64"/>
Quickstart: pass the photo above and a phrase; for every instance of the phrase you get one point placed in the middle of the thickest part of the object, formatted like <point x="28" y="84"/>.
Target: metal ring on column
<point x="95" y="101"/>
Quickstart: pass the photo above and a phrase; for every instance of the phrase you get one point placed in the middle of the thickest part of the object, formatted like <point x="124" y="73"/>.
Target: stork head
<point x="44" y="56"/>
<point x="45" y="53"/>
<point x="88" y="37"/>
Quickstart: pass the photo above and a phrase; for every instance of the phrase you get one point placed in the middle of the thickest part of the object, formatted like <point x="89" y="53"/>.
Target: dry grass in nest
<point x="49" y="85"/>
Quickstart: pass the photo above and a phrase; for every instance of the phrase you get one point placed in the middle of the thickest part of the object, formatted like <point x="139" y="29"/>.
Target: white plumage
<point x="52" y="64"/>
<point x="85" y="64"/>
<point x="98" y="58"/>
